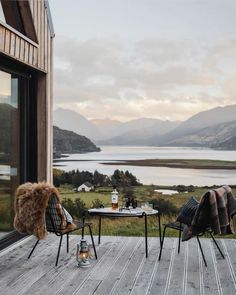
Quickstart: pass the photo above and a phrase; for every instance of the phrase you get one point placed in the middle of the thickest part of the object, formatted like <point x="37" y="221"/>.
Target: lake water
<point x="155" y="175"/>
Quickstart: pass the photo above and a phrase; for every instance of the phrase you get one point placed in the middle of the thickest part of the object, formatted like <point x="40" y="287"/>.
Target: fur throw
<point x="31" y="201"/>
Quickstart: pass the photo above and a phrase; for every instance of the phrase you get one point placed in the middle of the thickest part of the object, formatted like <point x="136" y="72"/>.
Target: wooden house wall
<point x="20" y="47"/>
<point x="39" y="57"/>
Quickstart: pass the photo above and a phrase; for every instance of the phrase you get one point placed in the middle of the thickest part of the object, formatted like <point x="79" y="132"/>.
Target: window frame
<point x="28" y="131"/>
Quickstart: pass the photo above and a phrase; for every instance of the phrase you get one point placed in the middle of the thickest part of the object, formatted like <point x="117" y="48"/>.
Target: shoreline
<point x="178" y="163"/>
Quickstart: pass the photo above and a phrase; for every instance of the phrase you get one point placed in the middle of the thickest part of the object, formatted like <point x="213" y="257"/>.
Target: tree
<point x="132" y="179"/>
<point x="98" y="178"/>
<point x="76" y="180"/>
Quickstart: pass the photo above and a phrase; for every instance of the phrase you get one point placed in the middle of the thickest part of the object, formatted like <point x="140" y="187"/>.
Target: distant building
<point x="85" y="187"/>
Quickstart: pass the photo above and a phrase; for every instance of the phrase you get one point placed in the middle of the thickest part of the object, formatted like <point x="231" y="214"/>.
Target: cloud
<point x="151" y="78"/>
<point x="229" y="87"/>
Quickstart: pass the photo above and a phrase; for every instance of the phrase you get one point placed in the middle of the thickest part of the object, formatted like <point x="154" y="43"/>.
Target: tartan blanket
<point x="215" y="211"/>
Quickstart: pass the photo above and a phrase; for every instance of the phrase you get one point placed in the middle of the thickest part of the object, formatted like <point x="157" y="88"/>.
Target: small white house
<point x="85" y="187"/>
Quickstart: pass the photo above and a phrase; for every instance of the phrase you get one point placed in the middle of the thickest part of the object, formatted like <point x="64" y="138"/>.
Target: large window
<point x="17" y="142"/>
<point x="9" y="146"/>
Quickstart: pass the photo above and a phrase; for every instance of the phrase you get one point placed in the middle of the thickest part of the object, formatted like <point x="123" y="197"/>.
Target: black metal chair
<point x="57" y="223"/>
<point x="180" y="226"/>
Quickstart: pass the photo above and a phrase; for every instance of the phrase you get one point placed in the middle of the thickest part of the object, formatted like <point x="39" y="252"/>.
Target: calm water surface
<point x="155" y="175"/>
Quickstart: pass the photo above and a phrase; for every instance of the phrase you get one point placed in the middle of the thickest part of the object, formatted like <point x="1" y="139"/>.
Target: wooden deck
<point x="121" y="268"/>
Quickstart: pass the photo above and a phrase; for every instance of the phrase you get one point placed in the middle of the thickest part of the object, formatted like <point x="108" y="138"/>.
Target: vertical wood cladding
<point x="24" y="49"/>
<point x="37" y="55"/>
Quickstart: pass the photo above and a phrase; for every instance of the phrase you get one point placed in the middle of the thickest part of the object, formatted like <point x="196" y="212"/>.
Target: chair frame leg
<point x="67" y="237"/>
<point x="216" y="245"/>
<point x="198" y="240"/>
<point x="31" y="252"/>
<point x="162" y="242"/>
<point x="180" y="233"/>
<point x="159" y="226"/>
<point x="67" y="244"/>
<point x="59" y="249"/>
<point x="91" y="235"/>
<point x="200" y="246"/>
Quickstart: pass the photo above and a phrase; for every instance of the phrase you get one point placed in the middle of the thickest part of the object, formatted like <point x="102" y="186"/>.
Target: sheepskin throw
<point x="31" y="201"/>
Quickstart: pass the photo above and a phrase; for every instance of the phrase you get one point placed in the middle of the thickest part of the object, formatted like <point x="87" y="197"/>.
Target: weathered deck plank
<point x="121" y="268"/>
<point x="178" y="278"/>
<point x="225" y="275"/>
<point x="193" y="278"/>
<point x="163" y="268"/>
<point x="146" y="270"/>
<point x="210" y="283"/>
<point x="128" y="274"/>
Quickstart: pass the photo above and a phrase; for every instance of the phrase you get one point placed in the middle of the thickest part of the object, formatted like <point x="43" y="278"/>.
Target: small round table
<point x="122" y="212"/>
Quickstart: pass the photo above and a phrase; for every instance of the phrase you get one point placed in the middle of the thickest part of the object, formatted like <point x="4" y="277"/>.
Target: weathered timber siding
<point x="17" y="46"/>
<point x="38" y="56"/>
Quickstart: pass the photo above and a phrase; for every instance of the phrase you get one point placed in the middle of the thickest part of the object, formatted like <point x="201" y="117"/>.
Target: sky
<point x="129" y="59"/>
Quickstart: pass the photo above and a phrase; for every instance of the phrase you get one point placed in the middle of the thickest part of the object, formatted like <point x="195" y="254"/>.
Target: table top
<point x="122" y="212"/>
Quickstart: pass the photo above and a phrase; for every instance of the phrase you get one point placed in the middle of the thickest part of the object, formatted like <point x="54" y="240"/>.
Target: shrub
<point x="76" y="208"/>
<point x="96" y="203"/>
<point x="165" y="206"/>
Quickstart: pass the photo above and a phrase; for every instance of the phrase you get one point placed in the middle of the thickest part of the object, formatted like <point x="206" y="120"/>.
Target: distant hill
<point x="104" y="122"/>
<point x="68" y="142"/>
<point x="205" y="123"/>
<point x="228" y="138"/>
<point x="229" y="144"/>
<point x="73" y="121"/>
<point x="216" y="136"/>
<point x="140" y="131"/>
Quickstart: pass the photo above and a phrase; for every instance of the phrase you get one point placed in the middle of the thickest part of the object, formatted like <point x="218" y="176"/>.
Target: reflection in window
<point x="2" y="16"/>
<point x="5" y="87"/>
<point x="9" y="147"/>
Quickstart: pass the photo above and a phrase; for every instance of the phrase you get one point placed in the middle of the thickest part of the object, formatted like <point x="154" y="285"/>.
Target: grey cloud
<point x="164" y="52"/>
<point x="105" y="74"/>
<point x="220" y="52"/>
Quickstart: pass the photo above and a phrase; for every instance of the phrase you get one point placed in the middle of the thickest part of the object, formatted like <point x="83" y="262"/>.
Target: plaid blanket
<point x="215" y="211"/>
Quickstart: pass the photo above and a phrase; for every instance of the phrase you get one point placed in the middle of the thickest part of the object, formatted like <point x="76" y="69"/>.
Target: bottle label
<point x="114" y="198"/>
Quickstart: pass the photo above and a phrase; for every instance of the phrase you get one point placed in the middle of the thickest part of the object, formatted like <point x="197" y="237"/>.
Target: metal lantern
<point x="82" y="254"/>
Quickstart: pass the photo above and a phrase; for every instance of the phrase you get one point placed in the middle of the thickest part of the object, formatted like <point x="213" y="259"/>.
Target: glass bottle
<point x="114" y="199"/>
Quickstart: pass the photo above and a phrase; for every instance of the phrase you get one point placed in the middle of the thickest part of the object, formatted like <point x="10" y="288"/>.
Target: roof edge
<point x="49" y="16"/>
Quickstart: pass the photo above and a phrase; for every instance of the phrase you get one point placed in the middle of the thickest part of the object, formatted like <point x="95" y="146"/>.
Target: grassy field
<point x="134" y="226"/>
<point x="142" y="193"/>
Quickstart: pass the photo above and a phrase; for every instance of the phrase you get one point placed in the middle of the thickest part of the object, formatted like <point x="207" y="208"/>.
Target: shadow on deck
<point x="121" y="268"/>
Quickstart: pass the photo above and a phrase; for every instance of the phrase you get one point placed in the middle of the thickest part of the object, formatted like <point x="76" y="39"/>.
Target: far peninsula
<point x="179" y="163"/>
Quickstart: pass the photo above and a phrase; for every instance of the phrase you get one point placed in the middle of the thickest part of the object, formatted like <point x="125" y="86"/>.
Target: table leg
<point x="146" y="242"/>
<point x="159" y="224"/>
<point x="99" y="229"/>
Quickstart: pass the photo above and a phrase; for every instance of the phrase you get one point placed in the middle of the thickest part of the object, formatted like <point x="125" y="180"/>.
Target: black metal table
<point x="138" y="212"/>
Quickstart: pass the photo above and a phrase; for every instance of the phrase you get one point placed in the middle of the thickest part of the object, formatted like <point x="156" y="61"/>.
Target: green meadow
<point x="144" y="193"/>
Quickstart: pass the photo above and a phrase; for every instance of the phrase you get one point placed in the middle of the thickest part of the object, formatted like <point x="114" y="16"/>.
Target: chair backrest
<point x="55" y="216"/>
<point x="188" y="211"/>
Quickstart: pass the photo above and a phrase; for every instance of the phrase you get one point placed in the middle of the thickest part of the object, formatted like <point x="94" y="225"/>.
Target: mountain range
<point x="73" y="121"/>
<point x="215" y="128"/>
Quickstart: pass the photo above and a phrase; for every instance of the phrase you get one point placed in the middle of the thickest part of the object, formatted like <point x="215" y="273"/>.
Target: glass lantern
<point x="82" y="254"/>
